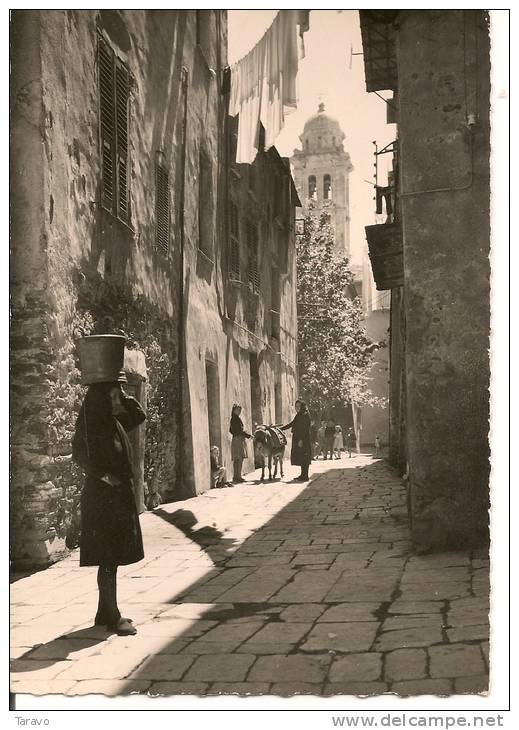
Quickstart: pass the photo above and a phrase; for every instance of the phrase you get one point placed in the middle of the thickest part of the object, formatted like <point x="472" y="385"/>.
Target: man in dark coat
<point x="301" y="453"/>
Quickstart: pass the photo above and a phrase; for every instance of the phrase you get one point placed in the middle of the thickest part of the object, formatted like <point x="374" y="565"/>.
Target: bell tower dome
<point x="321" y="171"/>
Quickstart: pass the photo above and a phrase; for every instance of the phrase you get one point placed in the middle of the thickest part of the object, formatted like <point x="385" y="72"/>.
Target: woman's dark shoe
<point x="103" y="619"/>
<point x="123" y="627"/>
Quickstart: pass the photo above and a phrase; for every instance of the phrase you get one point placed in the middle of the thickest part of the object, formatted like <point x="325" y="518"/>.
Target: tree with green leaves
<point x="334" y="352"/>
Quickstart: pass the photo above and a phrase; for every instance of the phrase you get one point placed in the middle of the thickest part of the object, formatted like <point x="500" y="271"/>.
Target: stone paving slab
<point x="243" y="689"/>
<point x="234" y="667"/>
<point x="364" y="667"/>
<point x="341" y="637"/>
<point x="456" y="660"/>
<point x="356" y="611"/>
<point x="414" y="687"/>
<point x="290" y="689"/>
<point x="405" y="664"/>
<point x="360" y="689"/>
<point x="168" y="689"/>
<point x="111" y="688"/>
<point x="278" y="589"/>
<point x="295" y="668"/>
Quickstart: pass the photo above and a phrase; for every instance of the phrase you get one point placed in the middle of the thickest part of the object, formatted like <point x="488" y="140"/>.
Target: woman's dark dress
<point x="300" y="455"/>
<point x="110" y="529"/>
<point x="238" y="444"/>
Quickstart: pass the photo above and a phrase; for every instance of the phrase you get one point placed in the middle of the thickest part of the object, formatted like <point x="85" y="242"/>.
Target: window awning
<point x="385" y="247"/>
<point x="379" y="48"/>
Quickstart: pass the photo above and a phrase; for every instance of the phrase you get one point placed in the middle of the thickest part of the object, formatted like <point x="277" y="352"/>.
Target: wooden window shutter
<point x="234" y="242"/>
<point x="162" y="216"/>
<point x="252" y="245"/>
<point x="122" y="109"/>
<point x="107" y="114"/>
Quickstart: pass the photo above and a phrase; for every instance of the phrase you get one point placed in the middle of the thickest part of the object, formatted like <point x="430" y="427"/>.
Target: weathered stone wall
<point x="37" y="503"/>
<point x="77" y="269"/>
<point x="443" y="65"/>
<point x="397" y="410"/>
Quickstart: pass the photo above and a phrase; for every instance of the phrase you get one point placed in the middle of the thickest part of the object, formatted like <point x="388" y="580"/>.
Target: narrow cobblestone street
<point x="277" y="588"/>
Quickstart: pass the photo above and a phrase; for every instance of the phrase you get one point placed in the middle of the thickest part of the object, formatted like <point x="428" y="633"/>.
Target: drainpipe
<point x="181" y="328"/>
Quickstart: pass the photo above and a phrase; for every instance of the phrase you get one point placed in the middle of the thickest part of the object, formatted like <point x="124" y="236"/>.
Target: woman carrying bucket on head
<point x="110" y="529"/>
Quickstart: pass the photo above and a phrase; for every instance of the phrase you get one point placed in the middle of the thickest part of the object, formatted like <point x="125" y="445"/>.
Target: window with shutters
<point x="162" y="214"/>
<point x="114" y="107"/>
<point x="205" y="205"/>
<point x="252" y="250"/>
<point x="234" y="242"/>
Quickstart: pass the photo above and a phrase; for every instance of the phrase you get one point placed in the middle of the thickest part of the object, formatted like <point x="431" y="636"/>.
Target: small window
<point x="114" y="109"/>
<point x="234" y="242"/>
<point x="162" y="215"/>
<point x="327" y="187"/>
<point x="307" y="144"/>
<point x="252" y="250"/>
<point x="319" y="142"/>
<point x="205" y="205"/>
<point x="333" y="141"/>
<point x="312" y="187"/>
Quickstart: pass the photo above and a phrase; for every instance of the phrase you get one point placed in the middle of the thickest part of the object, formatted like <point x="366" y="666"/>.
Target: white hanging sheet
<point x="263" y="83"/>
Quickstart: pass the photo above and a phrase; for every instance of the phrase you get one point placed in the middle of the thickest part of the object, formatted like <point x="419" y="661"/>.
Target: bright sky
<point x="324" y="74"/>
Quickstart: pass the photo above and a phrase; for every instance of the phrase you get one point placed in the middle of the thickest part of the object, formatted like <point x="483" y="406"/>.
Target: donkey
<point x="269" y="446"/>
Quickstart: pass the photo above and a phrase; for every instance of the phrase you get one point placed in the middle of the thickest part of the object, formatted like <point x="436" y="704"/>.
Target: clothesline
<point x="240" y="60"/>
<point x="263" y="83"/>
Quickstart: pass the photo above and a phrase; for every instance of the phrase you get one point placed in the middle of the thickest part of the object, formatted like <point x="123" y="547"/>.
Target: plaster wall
<point x="228" y="321"/>
<point x="75" y="267"/>
<point x="443" y="65"/>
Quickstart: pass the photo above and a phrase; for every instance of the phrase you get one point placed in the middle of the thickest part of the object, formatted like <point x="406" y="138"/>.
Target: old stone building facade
<point x="321" y="172"/>
<point x="432" y="254"/>
<point x="123" y="220"/>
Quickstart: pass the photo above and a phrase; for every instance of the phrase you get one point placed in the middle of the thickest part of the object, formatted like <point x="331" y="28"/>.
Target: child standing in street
<point x="351" y="442"/>
<point x="338" y="442"/>
<point x="378" y="445"/>
<point x="329" y="435"/>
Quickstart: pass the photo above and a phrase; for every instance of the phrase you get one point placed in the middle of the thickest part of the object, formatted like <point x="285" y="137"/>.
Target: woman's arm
<point x="133" y="415"/>
<point x="289" y="425"/>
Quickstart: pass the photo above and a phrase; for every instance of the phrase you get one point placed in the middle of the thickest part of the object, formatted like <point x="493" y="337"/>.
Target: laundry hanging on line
<point x="263" y="83"/>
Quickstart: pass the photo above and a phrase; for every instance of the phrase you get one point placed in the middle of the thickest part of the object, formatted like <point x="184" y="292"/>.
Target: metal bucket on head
<point x="101" y="359"/>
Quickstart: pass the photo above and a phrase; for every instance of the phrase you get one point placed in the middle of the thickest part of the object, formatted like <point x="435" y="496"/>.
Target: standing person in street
<point x="238" y="443"/>
<point x="338" y="442"/>
<point x="351" y="442"/>
<point x="378" y="445"/>
<point x="321" y="438"/>
<point x="110" y="529"/>
<point x="329" y="435"/>
<point x="301" y="453"/>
